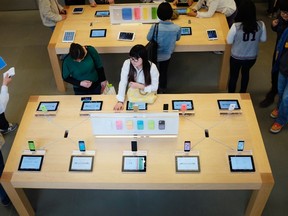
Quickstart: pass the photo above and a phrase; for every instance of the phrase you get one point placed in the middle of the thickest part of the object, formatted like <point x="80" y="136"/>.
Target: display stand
<point x="133" y="13"/>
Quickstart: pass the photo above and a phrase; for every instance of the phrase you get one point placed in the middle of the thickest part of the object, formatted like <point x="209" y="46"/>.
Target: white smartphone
<point x="212" y="34"/>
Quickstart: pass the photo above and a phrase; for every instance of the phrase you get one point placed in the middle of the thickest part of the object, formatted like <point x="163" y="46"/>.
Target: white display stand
<point x="133" y="13"/>
<point x="135" y="123"/>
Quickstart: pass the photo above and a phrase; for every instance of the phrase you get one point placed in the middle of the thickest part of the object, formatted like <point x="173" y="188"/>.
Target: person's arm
<point x="211" y="10"/>
<point x="178" y="34"/>
<point x="123" y="81"/>
<point x="4" y="95"/>
<point x="45" y="9"/>
<point x="150" y="33"/>
<point x="67" y="76"/>
<point x="263" y="36"/>
<point x="231" y="34"/>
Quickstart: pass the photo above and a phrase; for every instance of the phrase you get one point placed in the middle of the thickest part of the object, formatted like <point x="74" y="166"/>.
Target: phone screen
<point x="240" y="146"/>
<point x="187" y="146"/>
<point x="165" y="107"/>
<point x="81" y="146"/>
<point x="31" y="145"/>
<point x="212" y="35"/>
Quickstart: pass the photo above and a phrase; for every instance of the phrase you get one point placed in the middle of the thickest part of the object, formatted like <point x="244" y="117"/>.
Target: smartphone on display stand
<point x="82" y="147"/>
<point x="187" y="146"/>
<point x="134" y="146"/>
<point x="165" y="107"/>
<point x="31" y="145"/>
<point x="240" y="145"/>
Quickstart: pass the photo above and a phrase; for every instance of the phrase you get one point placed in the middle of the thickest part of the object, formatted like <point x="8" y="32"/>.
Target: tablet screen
<point x="77" y="10"/>
<point x="134" y="164"/>
<point x="102" y="13"/>
<point x="98" y="33"/>
<point x="2" y="63"/>
<point x="241" y="163"/>
<point x="48" y="106"/>
<point x="141" y="105"/>
<point x="187" y="164"/>
<point x="224" y="104"/>
<point x="129" y="36"/>
<point x="176" y="104"/>
<point x="186" y="31"/>
<point x="212" y="35"/>
<point x="91" y="105"/>
<point x="31" y="162"/>
<point x="81" y="163"/>
<point x="181" y="11"/>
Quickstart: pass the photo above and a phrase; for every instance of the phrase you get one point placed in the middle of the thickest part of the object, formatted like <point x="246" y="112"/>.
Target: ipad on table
<point x="48" y="106"/>
<point x="186" y="31"/>
<point x="91" y="105"/>
<point x="134" y="164"/>
<point x="96" y="33"/>
<point x="78" y="10"/>
<point x="241" y="163"/>
<point x="103" y="13"/>
<point x="176" y="104"/>
<point x="30" y="162"/>
<point x="225" y="104"/>
<point x="126" y="36"/>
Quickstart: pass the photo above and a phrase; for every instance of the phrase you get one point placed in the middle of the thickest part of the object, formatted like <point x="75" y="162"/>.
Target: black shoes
<point x="269" y="99"/>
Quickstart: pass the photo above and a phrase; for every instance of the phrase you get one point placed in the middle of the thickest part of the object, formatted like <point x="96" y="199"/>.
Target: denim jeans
<point x="283" y="99"/>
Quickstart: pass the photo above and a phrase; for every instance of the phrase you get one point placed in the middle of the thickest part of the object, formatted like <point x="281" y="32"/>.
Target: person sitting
<point x="51" y="12"/>
<point x="138" y="72"/>
<point x="83" y="68"/>
<point x="227" y="7"/>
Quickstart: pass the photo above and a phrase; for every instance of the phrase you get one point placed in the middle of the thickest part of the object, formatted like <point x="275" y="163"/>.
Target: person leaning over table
<point x="83" y="68"/>
<point x="175" y="2"/>
<point x="168" y="34"/>
<point x="227" y="7"/>
<point x="138" y="72"/>
<point x="51" y="12"/>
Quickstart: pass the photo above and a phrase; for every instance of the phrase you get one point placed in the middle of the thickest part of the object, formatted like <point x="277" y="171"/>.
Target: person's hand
<point x="136" y="85"/>
<point x="63" y="16"/>
<point x="111" y="1"/>
<point x="86" y="83"/>
<point x="6" y="80"/>
<point x="190" y="2"/>
<point x="63" y="11"/>
<point x="175" y="2"/>
<point x="93" y="4"/>
<point x="275" y="22"/>
<point x="103" y="85"/>
<point x="118" y="106"/>
<point x="192" y="13"/>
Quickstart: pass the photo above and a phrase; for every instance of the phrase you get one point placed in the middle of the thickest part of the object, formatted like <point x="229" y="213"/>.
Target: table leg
<point x="259" y="197"/>
<point x="17" y="196"/>
<point x="224" y="70"/>
<point x="56" y="67"/>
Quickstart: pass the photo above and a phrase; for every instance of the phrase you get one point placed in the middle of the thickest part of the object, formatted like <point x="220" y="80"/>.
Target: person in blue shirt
<point x="168" y="34"/>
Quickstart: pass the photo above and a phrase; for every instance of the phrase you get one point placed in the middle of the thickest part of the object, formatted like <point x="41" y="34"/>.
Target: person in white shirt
<point x="137" y="72"/>
<point x="226" y="7"/>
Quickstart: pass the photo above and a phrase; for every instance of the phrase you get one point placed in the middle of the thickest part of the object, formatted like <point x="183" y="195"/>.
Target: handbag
<point x="136" y="95"/>
<point x="152" y="46"/>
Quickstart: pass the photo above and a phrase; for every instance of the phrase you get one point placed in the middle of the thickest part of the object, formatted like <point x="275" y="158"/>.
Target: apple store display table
<point x="83" y="23"/>
<point x="213" y="139"/>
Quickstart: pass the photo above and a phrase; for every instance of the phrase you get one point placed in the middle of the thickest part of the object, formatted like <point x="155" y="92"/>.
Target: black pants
<point x="163" y="68"/>
<point x="235" y="67"/>
<point x="4" y="124"/>
<point x="87" y="91"/>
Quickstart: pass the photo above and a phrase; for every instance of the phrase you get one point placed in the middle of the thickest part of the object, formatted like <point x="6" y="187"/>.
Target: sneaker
<point x="276" y="128"/>
<point x="274" y="113"/>
<point x="11" y="128"/>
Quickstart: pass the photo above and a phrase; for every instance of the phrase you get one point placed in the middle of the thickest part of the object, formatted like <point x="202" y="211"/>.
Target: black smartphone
<point x="240" y="145"/>
<point x="82" y="147"/>
<point x="187" y="146"/>
<point x="86" y="98"/>
<point x="31" y="145"/>
<point x="206" y="133"/>
<point x="66" y="133"/>
<point x="165" y="107"/>
<point x="134" y="146"/>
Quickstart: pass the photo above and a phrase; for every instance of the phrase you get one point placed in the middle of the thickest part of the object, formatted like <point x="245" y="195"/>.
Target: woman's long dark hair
<point x="139" y="51"/>
<point x="247" y="16"/>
